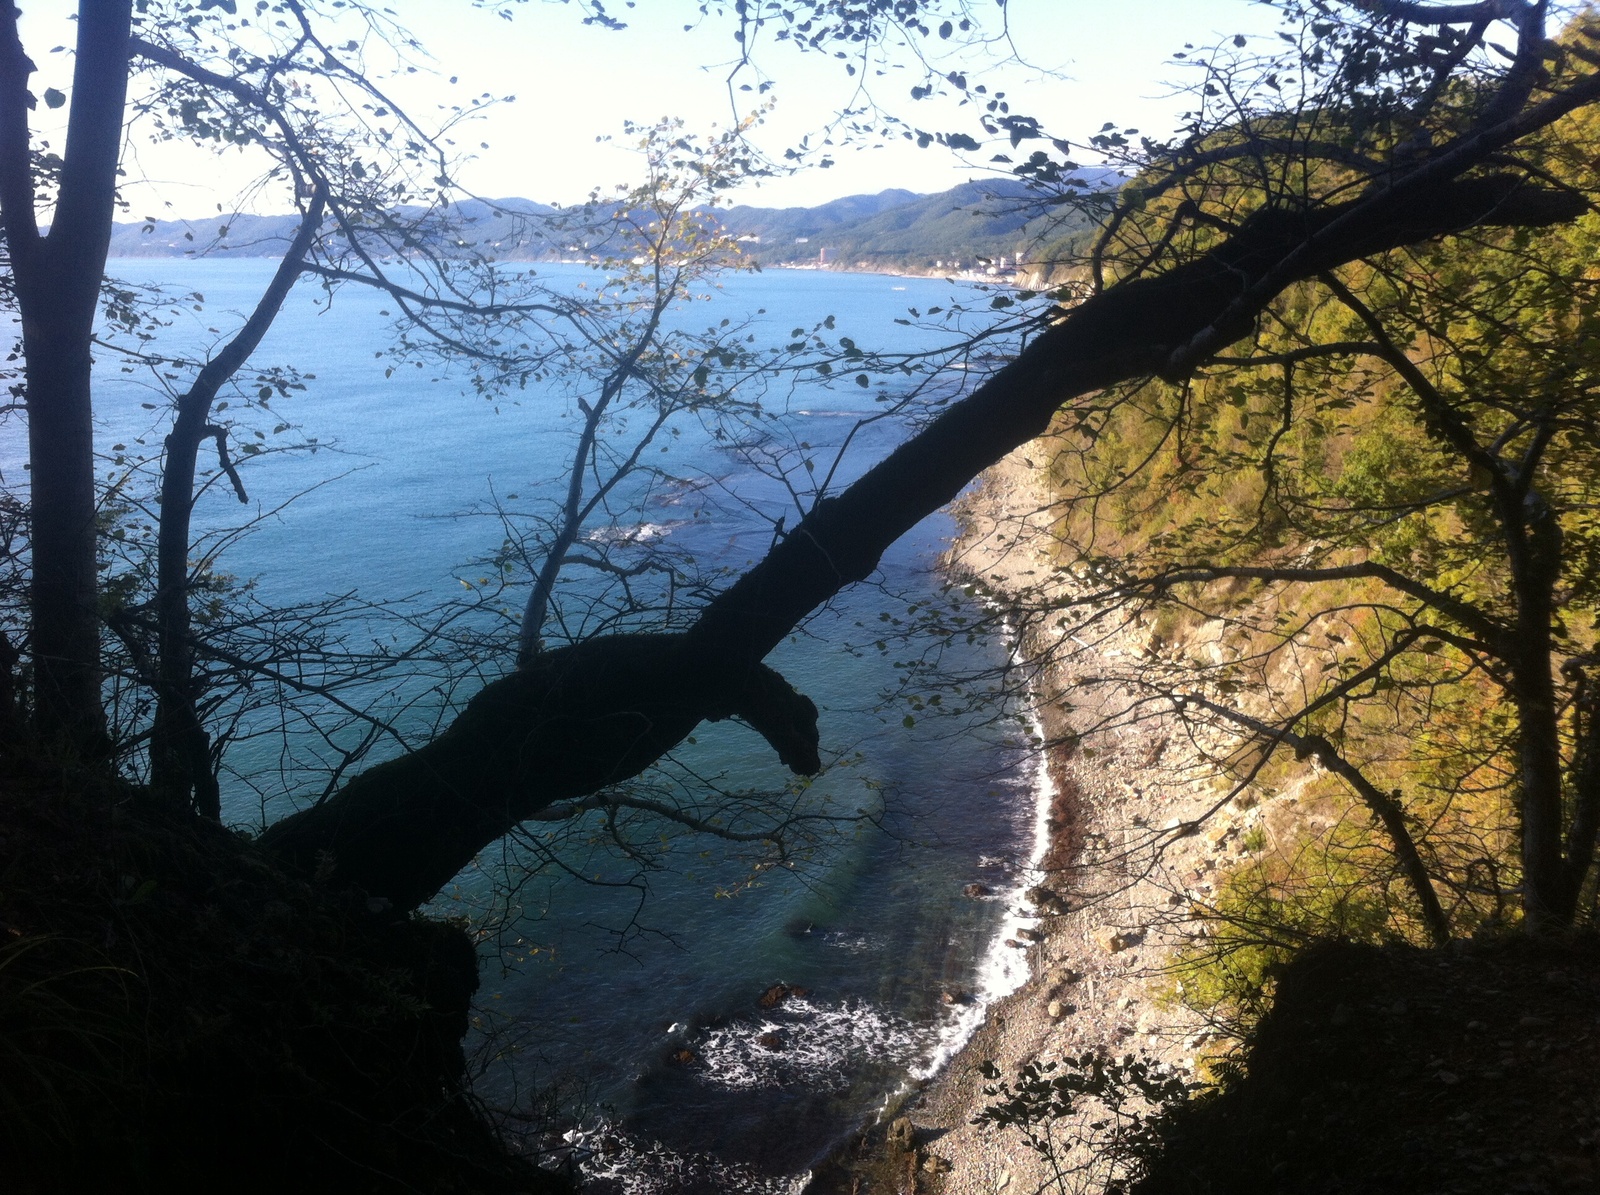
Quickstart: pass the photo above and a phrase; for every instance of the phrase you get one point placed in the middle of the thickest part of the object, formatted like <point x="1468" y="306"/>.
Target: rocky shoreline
<point x="1136" y="843"/>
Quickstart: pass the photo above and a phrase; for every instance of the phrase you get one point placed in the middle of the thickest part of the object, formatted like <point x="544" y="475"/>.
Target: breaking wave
<point x="806" y="1042"/>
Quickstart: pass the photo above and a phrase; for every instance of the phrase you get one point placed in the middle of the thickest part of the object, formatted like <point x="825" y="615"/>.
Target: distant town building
<point x="824" y="256"/>
<point x="802" y="240"/>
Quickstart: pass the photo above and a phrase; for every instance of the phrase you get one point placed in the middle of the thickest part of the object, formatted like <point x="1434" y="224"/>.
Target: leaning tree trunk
<point x="592" y="715"/>
<point x="180" y="748"/>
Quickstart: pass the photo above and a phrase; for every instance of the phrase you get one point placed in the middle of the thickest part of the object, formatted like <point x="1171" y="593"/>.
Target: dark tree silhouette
<point x="572" y="722"/>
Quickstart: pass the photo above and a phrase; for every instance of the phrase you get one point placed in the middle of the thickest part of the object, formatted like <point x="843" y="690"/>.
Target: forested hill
<point x="966" y="227"/>
<point x="990" y="220"/>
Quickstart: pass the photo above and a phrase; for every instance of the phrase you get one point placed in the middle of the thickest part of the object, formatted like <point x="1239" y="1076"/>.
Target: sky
<point x="1083" y="63"/>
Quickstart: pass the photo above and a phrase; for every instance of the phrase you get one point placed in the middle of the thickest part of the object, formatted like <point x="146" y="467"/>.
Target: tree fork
<point x="570" y="722"/>
<point x="58" y="285"/>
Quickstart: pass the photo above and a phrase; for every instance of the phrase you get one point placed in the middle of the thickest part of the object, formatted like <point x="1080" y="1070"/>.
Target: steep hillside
<point x="780" y="222"/>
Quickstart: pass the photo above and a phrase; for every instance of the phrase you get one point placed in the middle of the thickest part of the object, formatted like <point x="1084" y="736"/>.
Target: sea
<point x="669" y="1011"/>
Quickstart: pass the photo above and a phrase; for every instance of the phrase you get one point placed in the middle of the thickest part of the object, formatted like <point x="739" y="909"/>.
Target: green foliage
<point x="1429" y="413"/>
<point x="1266" y="913"/>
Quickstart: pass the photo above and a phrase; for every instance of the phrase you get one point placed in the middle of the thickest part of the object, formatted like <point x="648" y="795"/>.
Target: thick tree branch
<point x="570" y="723"/>
<point x="1443" y="14"/>
<point x="1126" y="332"/>
<point x="1384" y="206"/>
<point x="589" y="716"/>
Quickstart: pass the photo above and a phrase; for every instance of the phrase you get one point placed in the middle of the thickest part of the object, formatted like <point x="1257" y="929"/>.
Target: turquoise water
<point x="641" y="992"/>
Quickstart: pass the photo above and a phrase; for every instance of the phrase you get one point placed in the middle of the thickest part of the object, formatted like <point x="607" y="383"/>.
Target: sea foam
<point x="1002" y="969"/>
<point x="807" y="1042"/>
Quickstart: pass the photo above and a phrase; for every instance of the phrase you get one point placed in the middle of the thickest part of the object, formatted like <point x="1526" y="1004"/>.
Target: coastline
<point x="1121" y="868"/>
<point x="1019" y="278"/>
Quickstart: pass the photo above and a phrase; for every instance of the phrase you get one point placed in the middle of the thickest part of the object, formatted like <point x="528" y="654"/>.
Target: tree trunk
<point x="568" y="723"/>
<point x="66" y="626"/>
<point x="1585" y="827"/>
<point x="58" y="285"/>
<point x="180" y="748"/>
<point x="1534" y="539"/>
<point x="593" y="715"/>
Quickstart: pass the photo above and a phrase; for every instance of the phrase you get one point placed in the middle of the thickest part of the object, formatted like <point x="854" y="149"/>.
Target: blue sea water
<point x="637" y="986"/>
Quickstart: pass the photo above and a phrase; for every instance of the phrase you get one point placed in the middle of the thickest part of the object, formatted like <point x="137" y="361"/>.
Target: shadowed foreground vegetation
<point x="1467" y="1071"/>
<point x="178" y="1013"/>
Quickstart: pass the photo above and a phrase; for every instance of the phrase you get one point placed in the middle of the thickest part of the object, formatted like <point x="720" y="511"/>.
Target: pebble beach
<point x="1136" y="843"/>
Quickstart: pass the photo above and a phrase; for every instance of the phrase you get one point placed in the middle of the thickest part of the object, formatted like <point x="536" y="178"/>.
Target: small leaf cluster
<point x="1116" y="1101"/>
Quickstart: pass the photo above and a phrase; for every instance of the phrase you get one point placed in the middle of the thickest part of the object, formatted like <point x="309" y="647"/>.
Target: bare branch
<point x="220" y="435"/>
<point x="1385" y="807"/>
<point x="1478" y="621"/>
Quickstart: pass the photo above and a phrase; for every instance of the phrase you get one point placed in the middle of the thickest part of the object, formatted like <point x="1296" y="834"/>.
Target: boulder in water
<point x="777" y="994"/>
<point x="977" y="891"/>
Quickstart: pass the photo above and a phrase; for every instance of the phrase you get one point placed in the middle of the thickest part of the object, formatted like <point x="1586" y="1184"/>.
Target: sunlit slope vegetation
<point x="1363" y="548"/>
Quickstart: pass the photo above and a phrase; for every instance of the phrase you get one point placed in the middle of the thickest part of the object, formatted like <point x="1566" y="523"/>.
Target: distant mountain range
<point x="972" y="226"/>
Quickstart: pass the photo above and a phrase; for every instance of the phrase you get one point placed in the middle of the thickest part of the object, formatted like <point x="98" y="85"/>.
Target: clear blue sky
<point x="1086" y="62"/>
<point x="573" y="83"/>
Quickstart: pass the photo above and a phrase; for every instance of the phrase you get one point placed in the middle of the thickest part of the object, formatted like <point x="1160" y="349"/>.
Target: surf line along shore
<point x="1115" y="892"/>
